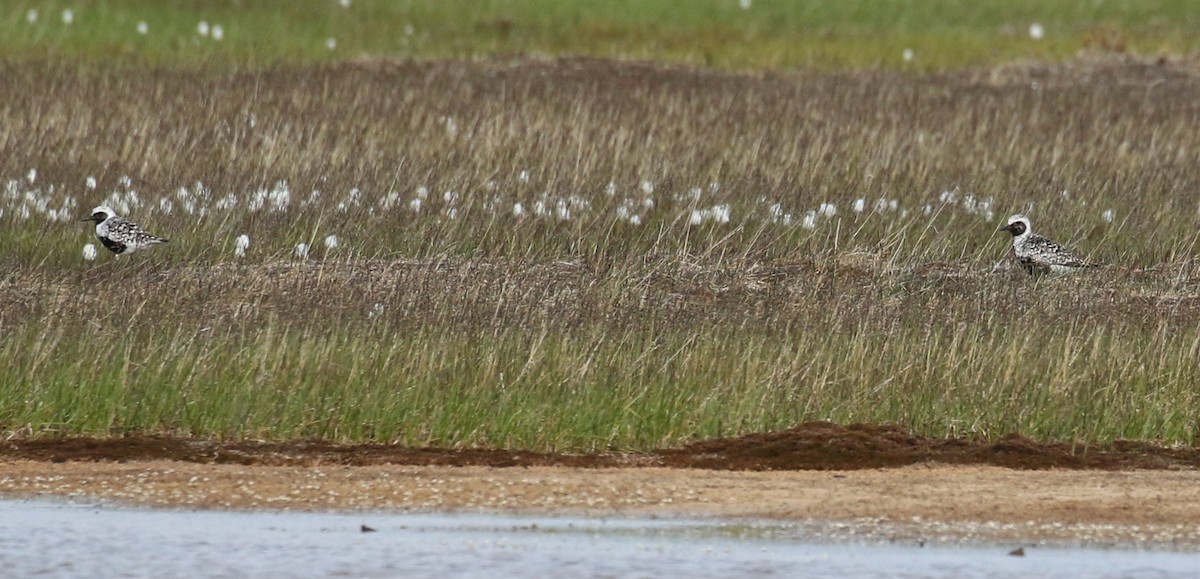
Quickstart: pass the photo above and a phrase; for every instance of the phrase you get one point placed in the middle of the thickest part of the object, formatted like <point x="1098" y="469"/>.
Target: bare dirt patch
<point x="809" y="446"/>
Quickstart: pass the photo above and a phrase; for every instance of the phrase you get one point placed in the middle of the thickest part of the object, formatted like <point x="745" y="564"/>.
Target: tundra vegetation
<point x="475" y="232"/>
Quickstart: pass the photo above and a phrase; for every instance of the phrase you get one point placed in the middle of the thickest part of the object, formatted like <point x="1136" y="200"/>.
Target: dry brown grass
<point x="1113" y="134"/>
<point x="474" y="294"/>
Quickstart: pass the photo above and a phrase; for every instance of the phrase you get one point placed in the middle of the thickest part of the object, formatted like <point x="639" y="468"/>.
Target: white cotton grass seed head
<point x="202" y="28"/>
<point x="31" y="176"/>
<point x="68" y="16"/>
<point x="1036" y="31"/>
<point x="1108" y="215"/>
<point x="859" y="206"/>
<point x="331" y="43"/>
<point x="745" y="4"/>
<point x="518" y="209"/>
<point x="225" y="203"/>
<point x="240" y="245"/>
<point x="331" y="242"/>
<point x="720" y="213"/>
<point x="776" y="212"/>
<point x="809" y="221"/>
<point x="218" y="32"/>
<point x="90" y="182"/>
<point x="376" y="310"/>
<point x="387" y="201"/>
<point x="143" y="28"/>
<point x="907" y="55"/>
<point x="301" y="250"/>
<point x="31" y="16"/>
<point x="89" y="251"/>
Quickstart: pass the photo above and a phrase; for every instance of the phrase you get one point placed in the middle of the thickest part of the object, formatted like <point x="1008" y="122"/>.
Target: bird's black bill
<point x="1014" y="228"/>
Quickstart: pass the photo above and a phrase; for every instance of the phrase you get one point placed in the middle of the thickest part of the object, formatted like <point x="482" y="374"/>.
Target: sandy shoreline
<point x="1156" y="509"/>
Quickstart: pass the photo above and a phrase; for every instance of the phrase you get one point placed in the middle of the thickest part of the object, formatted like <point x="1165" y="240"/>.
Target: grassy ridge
<point x="767" y="34"/>
<point x="592" y="362"/>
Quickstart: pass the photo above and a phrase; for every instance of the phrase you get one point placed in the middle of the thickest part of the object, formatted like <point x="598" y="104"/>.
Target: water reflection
<point x="50" y="539"/>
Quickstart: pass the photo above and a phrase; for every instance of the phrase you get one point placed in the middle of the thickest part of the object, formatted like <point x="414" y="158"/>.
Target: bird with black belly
<point x="1038" y="255"/>
<point x="120" y="235"/>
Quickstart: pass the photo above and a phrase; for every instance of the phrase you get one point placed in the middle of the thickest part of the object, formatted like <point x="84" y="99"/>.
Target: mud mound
<point x="827" y="446"/>
<point x="809" y="446"/>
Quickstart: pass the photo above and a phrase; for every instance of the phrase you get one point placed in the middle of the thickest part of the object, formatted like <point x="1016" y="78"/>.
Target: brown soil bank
<point x="810" y="446"/>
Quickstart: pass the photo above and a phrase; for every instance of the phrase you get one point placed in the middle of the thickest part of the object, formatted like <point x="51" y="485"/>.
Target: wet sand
<point x="919" y="503"/>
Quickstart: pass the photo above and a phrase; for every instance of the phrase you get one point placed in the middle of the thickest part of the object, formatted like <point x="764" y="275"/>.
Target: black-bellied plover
<point x="1039" y="255"/>
<point x="121" y="236"/>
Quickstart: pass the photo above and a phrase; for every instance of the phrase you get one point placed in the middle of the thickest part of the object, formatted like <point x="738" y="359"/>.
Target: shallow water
<point x="54" y="539"/>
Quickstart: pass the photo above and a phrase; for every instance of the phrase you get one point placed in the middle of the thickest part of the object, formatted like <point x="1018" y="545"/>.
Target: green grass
<point x="770" y="34"/>
<point x="940" y="359"/>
